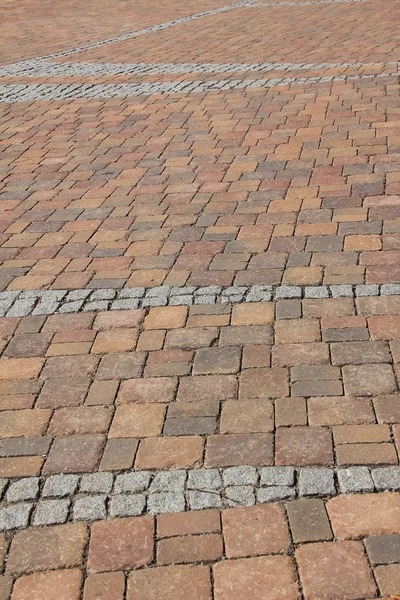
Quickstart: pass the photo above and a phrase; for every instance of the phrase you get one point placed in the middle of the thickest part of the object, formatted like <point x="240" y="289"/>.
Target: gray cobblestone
<point x="46" y="308"/>
<point x="275" y="493"/>
<point x="156" y="301"/>
<point x="240" y="495"/>
<point x="166" y="502"/>
<point x="50" y="512"/>
<point x="71" y="307"/>
<point x="316" y="482"/>
<point x="342" y="291"/>
<point x="23" y="489"/>
<point x="367" y="290"/>
<point x="59" y="486"/>
<point x="127" y="505"/>
<point x="277" y="476"/>
<point x="390" y="289"/>
<point x="386" y="478"/>
<point x="21" y="308"/>
<point x="137" y="292"/>
<point x="288" y="291"/>
<point x="97" y="483"/>
<point x="3" y="485"/>
<point x="240" y="476"/>
<point x="181" y="301"/>
<point x="103" y="294"/>
<point x="204" y="479"/>
<point x="15" y="516"/>
<point x="135" y="482"/>
<point x="91" y="508"/>
<point x="199" y="500"/>
<point x="316" y="292"/>
<point x="78" y="295"/>
<point x="171" y="481"/>
<point x="96" y="306"/>
<point x="355" y="479"/>
<point x="133" y="298"/>
<point x="128" y="304"/>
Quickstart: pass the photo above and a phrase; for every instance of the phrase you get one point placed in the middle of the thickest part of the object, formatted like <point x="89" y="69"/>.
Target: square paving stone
<point x="308" y="520"/>
<point x="239" y="449"/>
<point x="333" y="570"/>
<point x="304" y="446"/>
<point x="175" y="582"/>
<point x="74" y="454"/>
<point x="255" y="530"/>
<point x="61" y="546"/>
<point x="268" y="578"/>
<point x="121" y="544"/>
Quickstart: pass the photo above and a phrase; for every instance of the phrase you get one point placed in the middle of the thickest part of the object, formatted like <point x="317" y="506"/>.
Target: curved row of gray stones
<point x="91" y="497"/>
<point x="49" y="302"/>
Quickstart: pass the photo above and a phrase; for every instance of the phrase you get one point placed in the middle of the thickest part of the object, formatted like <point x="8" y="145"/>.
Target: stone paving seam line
<point x="48" y="500"/>
<point x="37" y="92"/>
<point x="49" y="302"/>
<point x="43" y="68"/>
<point x="151" y="29"/>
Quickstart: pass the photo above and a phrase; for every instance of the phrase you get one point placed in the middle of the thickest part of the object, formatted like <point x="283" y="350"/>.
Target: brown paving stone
<point x="335" y="570"/>
<point x="340" y="410"/>
<point x="5" y="587"/>
<point x="189" y="548"/>
<point x="364" y="515"/>
<point x="121" y="544"/>
<point x="58" y="392"/>
<point x="121" y="365"/>
<point x="151" y="389"/>
<point x="137" y="420"/>
<point x="119" y="454"/>
<point x="104" y="586"/>
<point x="257" y="313"/>
<point x="21" y="466"/>
<point x="20" y="368"/>
<point x="194" y="522"/>
<point x="239" y="449"/>
<point x="366" y="454"/>
<point x="368" y="380"/>
<point x="388" y="579"/>
<point x="41" y="586"/>
<point x="170" y="583"/>
<point x="255" y="530"/>
<point x="61" y="546"/>
<point x="169" y="452"/>
<point x="198" y="388"/>
<point x="23" y="423"/>
<point x="74" y="453"/>
<point x="247" y="416"/>
<point x="268" y="577"/>
<point x="217" y="360"/>
<point x="308" y="520"/>
<point x="303" y="446"/>
<point x="80" y="420"/>
<point x="267" y="383"/>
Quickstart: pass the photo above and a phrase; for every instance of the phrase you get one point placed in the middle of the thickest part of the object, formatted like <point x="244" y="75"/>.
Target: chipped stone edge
<point x="64" y="498"/>
<point x="50" y="302"/>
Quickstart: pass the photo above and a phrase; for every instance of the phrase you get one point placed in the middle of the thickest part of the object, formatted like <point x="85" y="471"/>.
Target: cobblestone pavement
<point x="200" y="300"/>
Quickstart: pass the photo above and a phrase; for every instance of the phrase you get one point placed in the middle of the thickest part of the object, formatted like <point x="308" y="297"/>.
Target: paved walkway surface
<point x="199" y="300"/>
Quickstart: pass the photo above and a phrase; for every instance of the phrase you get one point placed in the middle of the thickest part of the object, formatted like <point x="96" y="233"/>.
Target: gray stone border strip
<point x="38" y="92"/>
<point x="44" y="68"/>
<point x="95" y="496"/>
<point x="50" y="302"/>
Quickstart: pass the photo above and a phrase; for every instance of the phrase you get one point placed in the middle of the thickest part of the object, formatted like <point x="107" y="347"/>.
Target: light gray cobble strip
<point x="130" y="298"/>
<point x="47" y="91"/>
<point x="95" y="496"/>
<point x="46" y="68"/>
